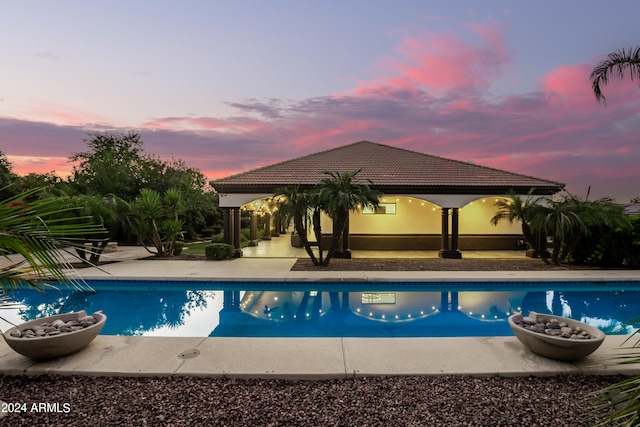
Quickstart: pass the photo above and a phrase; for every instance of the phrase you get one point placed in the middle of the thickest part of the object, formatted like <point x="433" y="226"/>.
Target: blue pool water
<point x="358" y="309"/>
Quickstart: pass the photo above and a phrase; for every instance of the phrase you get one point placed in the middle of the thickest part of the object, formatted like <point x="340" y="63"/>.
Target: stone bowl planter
<point x="556" y="347"/>
<point x="61" y="343"/>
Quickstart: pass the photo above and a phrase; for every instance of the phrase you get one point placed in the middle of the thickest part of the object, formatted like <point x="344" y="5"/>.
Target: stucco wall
<point x="416" y="216"/>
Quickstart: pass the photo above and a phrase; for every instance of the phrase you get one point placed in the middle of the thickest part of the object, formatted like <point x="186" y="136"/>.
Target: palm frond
<point x="616" y="65"/>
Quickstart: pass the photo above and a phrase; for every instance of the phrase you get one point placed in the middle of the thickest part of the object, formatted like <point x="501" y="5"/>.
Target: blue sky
<point x="230" y="86"/>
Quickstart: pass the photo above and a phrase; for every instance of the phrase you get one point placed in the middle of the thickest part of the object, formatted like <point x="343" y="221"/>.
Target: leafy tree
<point x="616" y="64"/>
<point x="7" y="178"/>
<point x="524" y="211"/>
<point x="113" y="164"/>
<point x="117" y="164"/>
<point x="40" y="180"/>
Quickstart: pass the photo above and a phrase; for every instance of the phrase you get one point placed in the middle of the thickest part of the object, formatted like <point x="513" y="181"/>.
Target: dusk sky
<point x="228" y="86"/>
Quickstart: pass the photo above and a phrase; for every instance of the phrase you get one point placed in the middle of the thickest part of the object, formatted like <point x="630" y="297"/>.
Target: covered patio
<point x="429" y="203"/>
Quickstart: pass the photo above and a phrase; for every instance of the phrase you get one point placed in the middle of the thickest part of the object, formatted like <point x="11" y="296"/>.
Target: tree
<point x="38" y="234"/>
<point x="295" y="205"/>
<point x="336" y="196"/>
<point x="616" y="64"/>
<point x="523" y="210"/>
<point x="7" y="178"/>
<point x="107" y="211"/>
<point x="158" y="223"/>
<point x="113" y="164"/>
<point x="117" y="164"/>
<point x="571" y="217"/>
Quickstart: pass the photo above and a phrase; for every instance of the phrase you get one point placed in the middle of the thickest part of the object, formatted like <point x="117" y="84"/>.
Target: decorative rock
<point x="552" y="327"/>
<point x="56" y="327"/>
<point x="55" y="336"/>
<point x="562" y="338"/>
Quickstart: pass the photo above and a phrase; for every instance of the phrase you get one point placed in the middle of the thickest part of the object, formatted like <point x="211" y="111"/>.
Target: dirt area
<point x="430" y="264"/>
<point x="410" y="264"/>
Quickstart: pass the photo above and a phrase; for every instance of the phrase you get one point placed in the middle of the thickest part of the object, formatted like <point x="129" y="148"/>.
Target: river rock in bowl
<point x="55" y="336"/>
<point x="556" y="337"/>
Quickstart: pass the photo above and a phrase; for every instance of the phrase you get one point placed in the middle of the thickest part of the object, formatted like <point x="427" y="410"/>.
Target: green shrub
<point x="217" y="238"/>
<point x="219" y="251"/>
<point x="177" y="248"/>
<point x="206" y="232"/>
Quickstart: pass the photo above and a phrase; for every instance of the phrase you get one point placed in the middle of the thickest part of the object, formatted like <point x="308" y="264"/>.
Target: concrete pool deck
<point x="312" y="358"/>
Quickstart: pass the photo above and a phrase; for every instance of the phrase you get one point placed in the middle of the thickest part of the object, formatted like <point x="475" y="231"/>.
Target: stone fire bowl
<point x="556" y="347"/>
<point x="58" y="345"/>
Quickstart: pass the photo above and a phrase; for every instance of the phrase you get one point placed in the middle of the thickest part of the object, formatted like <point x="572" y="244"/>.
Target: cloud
<point x="443" y="63"/>
<point x="433" y="94"/>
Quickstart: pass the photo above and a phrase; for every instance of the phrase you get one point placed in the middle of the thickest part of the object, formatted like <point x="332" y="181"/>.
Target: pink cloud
<point x="441" y="63"/>
<point x="433" y="96"/>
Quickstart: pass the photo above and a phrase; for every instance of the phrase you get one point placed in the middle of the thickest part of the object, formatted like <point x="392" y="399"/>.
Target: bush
<point x="608" y="247"/>
<point x="217" y="238"/>
<point x="177" y="248"/>
<point x="219" y="251"/>
<point x="206" y="232"/>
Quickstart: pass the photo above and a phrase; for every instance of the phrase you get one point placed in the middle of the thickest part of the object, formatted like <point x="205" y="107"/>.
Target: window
<point x="381" y="209"/>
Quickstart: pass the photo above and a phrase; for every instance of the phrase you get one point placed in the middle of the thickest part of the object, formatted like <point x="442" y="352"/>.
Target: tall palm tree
<point x="523" y="210"/>
<point x="616" y="64"/>
<point x="337" y="195"/>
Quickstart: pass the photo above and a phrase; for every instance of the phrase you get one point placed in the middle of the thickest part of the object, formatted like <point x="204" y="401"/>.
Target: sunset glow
<point x="228" y="88"/>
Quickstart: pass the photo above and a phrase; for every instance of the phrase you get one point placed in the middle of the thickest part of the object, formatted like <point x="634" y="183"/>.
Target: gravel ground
<point x="389" y="401"/>
<point x="431" y="264"/>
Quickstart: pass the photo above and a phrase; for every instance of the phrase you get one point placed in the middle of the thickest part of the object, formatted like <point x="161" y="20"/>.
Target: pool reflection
<point x="316" y="313"/>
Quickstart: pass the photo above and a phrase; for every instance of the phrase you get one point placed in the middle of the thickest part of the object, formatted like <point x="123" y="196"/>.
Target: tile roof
<point x="388" y="169"/>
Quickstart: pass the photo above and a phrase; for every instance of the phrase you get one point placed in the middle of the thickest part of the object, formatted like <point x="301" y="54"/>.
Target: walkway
<point x="309" y="358"/>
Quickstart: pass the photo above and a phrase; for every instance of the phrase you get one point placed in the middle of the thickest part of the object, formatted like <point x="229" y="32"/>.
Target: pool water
<point x="284" y="309"/>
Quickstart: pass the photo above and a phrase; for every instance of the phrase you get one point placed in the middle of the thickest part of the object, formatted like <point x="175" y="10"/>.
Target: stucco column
<point x="253" y="235"/>
<point x="445" y="230"/>
<point x="445" y="252"/>
<point x="236" y="231"/>
<point x="267" y="227"/>
<point x="227" y="236"/>
<point x="454" y="229"/>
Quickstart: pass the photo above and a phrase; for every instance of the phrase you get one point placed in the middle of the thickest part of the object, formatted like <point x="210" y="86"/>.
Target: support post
<point x="236" y="231"/>
<point x="445" y="252"/>
<point x="253" y="234"/>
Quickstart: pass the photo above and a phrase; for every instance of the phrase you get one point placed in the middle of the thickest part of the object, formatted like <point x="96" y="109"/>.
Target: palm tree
<point x="571" y="217"/>
<point x="523" y="210"/>
<point x="34" y="238"/>
<point x="295" y="205"/>
<point x="616" y="64"/>
<point x="337" y="195"/>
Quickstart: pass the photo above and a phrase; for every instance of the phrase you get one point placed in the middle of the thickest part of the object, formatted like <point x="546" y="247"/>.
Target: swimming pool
<point x="330" y="309"/>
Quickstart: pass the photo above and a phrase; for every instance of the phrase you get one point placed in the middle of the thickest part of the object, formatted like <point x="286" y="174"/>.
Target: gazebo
<point x="423" y="196"/>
